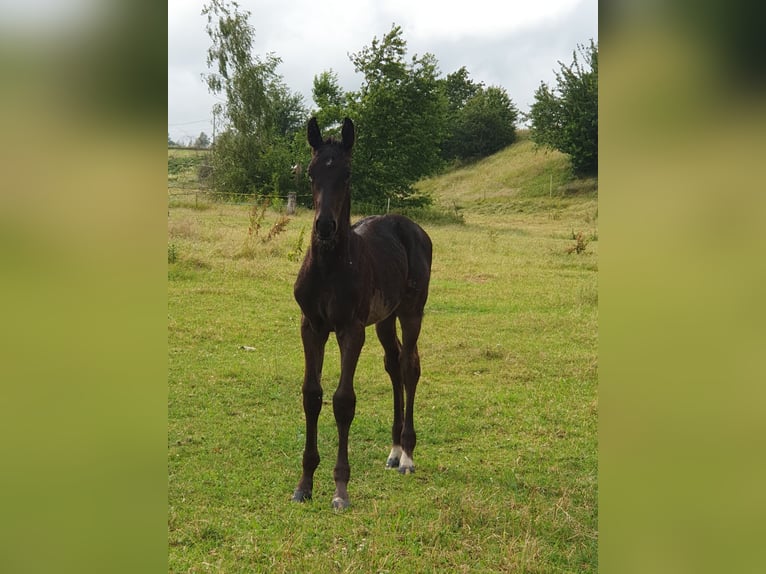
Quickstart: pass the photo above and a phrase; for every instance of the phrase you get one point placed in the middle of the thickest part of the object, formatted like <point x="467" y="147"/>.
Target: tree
<point x="242" y="77"/>
<point x="566" y="118"/>
<point x="261" y="115"/>
<point x="332" y="106"/>
<point x="289" y="112"/>
<point x="400" y="112"/>
<point x="459" y="88"/>
<point x="485" y="124"/>
<point x="170" y="141"/>
<point x="202" y="140"/>
<point x="481" y="121"/>
<point x="331" y="101"/>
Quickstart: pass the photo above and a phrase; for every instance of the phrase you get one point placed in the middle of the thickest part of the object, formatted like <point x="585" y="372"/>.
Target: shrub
<point x="566" y="118"/>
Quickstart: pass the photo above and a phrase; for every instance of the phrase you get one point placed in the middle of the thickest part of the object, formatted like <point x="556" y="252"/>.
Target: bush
<point x="484" y="125"/>
<point x="566" y="118"/>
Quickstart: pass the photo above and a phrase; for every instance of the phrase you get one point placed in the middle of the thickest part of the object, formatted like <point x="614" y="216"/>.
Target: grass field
<point x="506" y="410"/>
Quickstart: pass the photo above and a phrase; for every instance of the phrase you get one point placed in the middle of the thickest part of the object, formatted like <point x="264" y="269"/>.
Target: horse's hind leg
<point x="386" y="331"/>
<point x="409" y="362"/>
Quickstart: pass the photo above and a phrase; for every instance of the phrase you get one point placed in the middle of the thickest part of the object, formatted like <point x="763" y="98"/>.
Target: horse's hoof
<point x="407" y="469"/>
<point x="301" y="495"/>
<point x="340" y="504"/>
<point x="392" y="463"/>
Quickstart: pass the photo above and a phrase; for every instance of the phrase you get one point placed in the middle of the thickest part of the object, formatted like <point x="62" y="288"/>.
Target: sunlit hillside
<point x="508" y="180"/>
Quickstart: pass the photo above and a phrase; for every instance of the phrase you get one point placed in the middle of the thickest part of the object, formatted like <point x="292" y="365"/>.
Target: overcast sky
<point x="513" y="44"/>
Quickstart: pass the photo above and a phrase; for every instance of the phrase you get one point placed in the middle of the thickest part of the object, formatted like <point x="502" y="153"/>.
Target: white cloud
<point x="511" y="44"/>
<point x="436" y="19"/>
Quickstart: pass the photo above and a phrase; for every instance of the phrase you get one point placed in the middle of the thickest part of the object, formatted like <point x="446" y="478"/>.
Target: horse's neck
<point x="332" y="258"/>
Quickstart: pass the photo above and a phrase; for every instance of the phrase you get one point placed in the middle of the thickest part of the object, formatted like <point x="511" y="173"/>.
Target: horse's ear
<point x="347" y="134"/>
<point x="314" y="135"/>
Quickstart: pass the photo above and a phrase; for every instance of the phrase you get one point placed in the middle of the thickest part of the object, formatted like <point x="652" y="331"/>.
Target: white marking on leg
<point x="394" y="457"/>
<point x="405" y="464"/>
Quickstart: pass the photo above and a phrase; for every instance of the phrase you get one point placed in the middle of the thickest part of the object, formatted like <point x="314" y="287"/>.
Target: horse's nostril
<point x="325" y="227"/>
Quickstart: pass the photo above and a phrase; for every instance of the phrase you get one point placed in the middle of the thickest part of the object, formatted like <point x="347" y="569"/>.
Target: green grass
<point x="184" y="166"/>
<point x="506" y="411"/>
<point x="518" y="177"/>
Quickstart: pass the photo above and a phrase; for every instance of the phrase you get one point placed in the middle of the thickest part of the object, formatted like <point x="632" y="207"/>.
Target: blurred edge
<point x="682" y="110"/>
<point x="82" y="228"/>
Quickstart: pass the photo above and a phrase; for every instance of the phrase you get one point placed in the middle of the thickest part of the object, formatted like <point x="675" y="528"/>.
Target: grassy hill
<point x="184" y="168"/>
<point x="508" y="180"/>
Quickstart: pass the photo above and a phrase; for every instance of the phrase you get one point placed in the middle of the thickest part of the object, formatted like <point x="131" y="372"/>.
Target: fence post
<point x="291" y="201"/>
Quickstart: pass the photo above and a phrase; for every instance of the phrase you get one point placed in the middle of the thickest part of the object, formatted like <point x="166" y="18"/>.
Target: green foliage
<point x="400" y="113"/>
<point x="172" y="252"/>
<point x="178" y="163"/>
<point x="459" y="88"/>
<point x="241" y="76"/>
<point x="202" y="140"/>
<point x="484" y="125"/>
<point x="408" y="119"/>
<point x="296" y="253"/>
<point x="256" y="216"/>
<point x="261" y="115"/>
<point x="232" y="170"/>
<point x="289" y="112"/>
<point x="566" y="118"/>
<point x="331" y="101"/>
<point x="481" y="120"/>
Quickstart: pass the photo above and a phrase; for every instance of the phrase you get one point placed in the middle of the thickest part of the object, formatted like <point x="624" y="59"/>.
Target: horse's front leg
<point x="350" y="342"/>
<point x="313" y="351"/>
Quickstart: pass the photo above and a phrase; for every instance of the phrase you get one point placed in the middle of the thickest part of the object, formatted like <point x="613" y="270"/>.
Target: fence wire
<point x="202" y="195"/>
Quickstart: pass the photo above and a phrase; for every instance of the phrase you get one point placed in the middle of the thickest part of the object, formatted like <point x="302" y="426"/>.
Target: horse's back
<point x="388" y="230"/>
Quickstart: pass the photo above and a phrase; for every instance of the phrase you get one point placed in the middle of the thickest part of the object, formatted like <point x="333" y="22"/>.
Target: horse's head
<point x="330" y="174"/>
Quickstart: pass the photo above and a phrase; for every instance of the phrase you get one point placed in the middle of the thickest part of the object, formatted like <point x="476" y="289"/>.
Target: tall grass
<point x="506" y="409"/>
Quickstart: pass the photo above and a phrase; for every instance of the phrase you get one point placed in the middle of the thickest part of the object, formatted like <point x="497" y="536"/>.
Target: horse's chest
<point x="331" y="306"/>
<point x="336" y="308"/>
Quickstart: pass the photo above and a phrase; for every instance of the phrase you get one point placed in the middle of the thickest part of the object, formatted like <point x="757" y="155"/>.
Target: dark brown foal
<point x="371" y="273"/>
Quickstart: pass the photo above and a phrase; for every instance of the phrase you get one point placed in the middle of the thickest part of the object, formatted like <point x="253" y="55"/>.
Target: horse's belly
<point x="379" y="308"/>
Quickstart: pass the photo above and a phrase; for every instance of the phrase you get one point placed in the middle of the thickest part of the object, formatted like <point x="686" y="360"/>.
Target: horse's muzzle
<point x="325" y="228"/>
